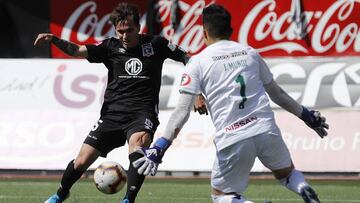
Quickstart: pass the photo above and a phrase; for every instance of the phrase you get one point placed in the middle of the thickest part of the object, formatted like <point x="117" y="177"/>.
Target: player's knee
<point x="139" y="139"/>
<point x="283" y="173"/>
<point x="233" y="198"/>
<point x="80" y="164"/>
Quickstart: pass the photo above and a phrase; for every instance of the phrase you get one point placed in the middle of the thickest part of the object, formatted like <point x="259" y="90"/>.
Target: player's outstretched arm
<point x="67" y="47"/>
<point x="312" y="118"/>
<point x="281" y="98"/>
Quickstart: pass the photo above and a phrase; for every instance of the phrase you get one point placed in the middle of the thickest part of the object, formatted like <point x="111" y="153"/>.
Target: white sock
<point x="295" y="181"/>
<point x="229" y="199"/>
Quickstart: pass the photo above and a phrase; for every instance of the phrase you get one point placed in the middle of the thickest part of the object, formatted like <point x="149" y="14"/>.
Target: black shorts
<point x="111" y="132"/>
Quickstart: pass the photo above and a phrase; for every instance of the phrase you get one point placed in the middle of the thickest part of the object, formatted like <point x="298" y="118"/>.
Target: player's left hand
<point x="200" y="105"/>
<point x="43" y="38"/>
<point x="315" y="121"/>
<point x="148" y="164"/>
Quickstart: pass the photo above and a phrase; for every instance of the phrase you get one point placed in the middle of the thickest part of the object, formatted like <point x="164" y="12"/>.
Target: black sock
<point x="135" y="180"/>
<point x="69" y="177"/>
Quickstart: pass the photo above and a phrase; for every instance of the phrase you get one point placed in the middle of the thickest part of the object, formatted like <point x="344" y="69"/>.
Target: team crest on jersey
<point x="147" y="49"/>
<point x="185" y="79"/>
<point x="133" y="66"/>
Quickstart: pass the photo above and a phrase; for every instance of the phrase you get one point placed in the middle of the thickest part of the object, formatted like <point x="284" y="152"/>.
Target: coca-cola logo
<point x="274" y="28"/>
<point x="91" y="26"/>
<point x="85" y="25"/>
<point x="328" y="29"/>
<point x="189" y="35"/>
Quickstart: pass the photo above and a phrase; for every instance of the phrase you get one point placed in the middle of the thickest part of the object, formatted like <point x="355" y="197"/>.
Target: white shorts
<point x="232" y="165"/>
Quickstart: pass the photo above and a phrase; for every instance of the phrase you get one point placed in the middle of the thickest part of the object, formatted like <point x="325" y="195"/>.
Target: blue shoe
<point x="309" y="195"/>
<point x="125" y="201"/>
<point x="55" y="199"/>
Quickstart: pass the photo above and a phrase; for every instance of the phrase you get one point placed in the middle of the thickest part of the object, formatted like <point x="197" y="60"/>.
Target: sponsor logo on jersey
<point x="122" y="50"/>
<point x="185" y="79"/>
<point x="147" y="49"/>
<point x="133" y="66"/>
<point x="240" y="124"/>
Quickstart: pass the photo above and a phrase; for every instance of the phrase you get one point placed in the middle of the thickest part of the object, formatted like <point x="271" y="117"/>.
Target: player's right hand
<point x="200" y="105"/>
<point x="43" y="38"/>
<point x="315" y="121"/>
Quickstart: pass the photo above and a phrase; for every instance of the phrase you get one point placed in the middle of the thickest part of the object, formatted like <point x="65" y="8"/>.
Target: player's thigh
<point x="272" y="150"/>
<point x="140" y="131"/>
<point x="106" y="136"/>
<point x="232" y="167"/>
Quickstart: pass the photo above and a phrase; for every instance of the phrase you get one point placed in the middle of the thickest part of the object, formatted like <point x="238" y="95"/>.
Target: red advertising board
<point x="274" y="27"/>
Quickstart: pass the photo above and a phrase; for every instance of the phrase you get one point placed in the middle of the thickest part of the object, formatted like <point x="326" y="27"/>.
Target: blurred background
<point x="49" y="102"/>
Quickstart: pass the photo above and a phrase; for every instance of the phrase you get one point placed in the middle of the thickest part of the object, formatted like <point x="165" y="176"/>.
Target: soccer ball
<point x="109" y="177"/>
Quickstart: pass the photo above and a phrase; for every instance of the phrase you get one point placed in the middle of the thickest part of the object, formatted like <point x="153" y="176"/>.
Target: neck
<point x="138" y="39"/>
<point x="137" y="42"/>
<point x="211" y="41"/>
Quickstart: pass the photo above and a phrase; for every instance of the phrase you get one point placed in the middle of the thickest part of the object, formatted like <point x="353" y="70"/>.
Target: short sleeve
<point x="172" y="51"/>
<point x="191" y="78"/>
<point x="97" y="53"/>
<point x="265" y="75"/>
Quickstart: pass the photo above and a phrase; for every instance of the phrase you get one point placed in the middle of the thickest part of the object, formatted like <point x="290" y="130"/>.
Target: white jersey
<point x="232" y="78"/>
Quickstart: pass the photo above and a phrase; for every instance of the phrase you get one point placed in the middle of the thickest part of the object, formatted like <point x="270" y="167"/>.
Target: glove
<point x="315" y="121"/>
<point x="148" y="164"/>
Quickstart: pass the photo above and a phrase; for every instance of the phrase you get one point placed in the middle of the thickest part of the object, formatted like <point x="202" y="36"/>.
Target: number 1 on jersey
<point x="241" y="81"/>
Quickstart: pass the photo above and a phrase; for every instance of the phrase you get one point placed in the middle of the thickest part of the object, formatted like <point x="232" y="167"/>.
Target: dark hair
<point x="124" y="10"/>
<point x="217" y="21"/>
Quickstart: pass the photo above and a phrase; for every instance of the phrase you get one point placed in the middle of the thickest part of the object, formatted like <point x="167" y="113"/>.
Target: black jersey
<point x="134" y="75"/>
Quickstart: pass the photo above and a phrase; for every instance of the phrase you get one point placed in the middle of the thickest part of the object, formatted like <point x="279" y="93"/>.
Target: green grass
<point x="174" y="191"/>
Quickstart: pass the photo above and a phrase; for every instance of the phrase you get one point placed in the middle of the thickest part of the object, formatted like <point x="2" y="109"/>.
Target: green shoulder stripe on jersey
<point x="186" y="92"/>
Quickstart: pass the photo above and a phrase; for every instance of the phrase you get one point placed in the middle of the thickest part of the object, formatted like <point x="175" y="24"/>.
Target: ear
<point x="206" y="37"/>
<point x="138" y="28"/>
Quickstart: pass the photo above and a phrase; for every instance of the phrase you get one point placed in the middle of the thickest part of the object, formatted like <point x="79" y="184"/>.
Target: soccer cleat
<point x="55" y="199"/>
<point x="125" y="201"/>
<point x="309" y="195"/>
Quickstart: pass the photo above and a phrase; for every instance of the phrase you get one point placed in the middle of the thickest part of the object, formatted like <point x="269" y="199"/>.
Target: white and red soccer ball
<point x="110" y="177"/>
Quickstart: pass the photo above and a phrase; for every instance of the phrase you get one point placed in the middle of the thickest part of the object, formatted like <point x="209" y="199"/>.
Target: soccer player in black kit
<point x="130" y="109"/>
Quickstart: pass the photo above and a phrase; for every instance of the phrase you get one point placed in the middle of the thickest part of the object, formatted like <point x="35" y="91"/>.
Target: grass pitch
<point x="173" y="191"/>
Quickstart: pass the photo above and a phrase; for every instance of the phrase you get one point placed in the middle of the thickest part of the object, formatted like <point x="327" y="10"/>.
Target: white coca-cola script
<point x="326" y="33"/>
<point x="263" y="27"/>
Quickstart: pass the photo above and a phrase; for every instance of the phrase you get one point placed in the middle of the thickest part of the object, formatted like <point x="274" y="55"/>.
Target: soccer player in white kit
<point x="234" y="79"/>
